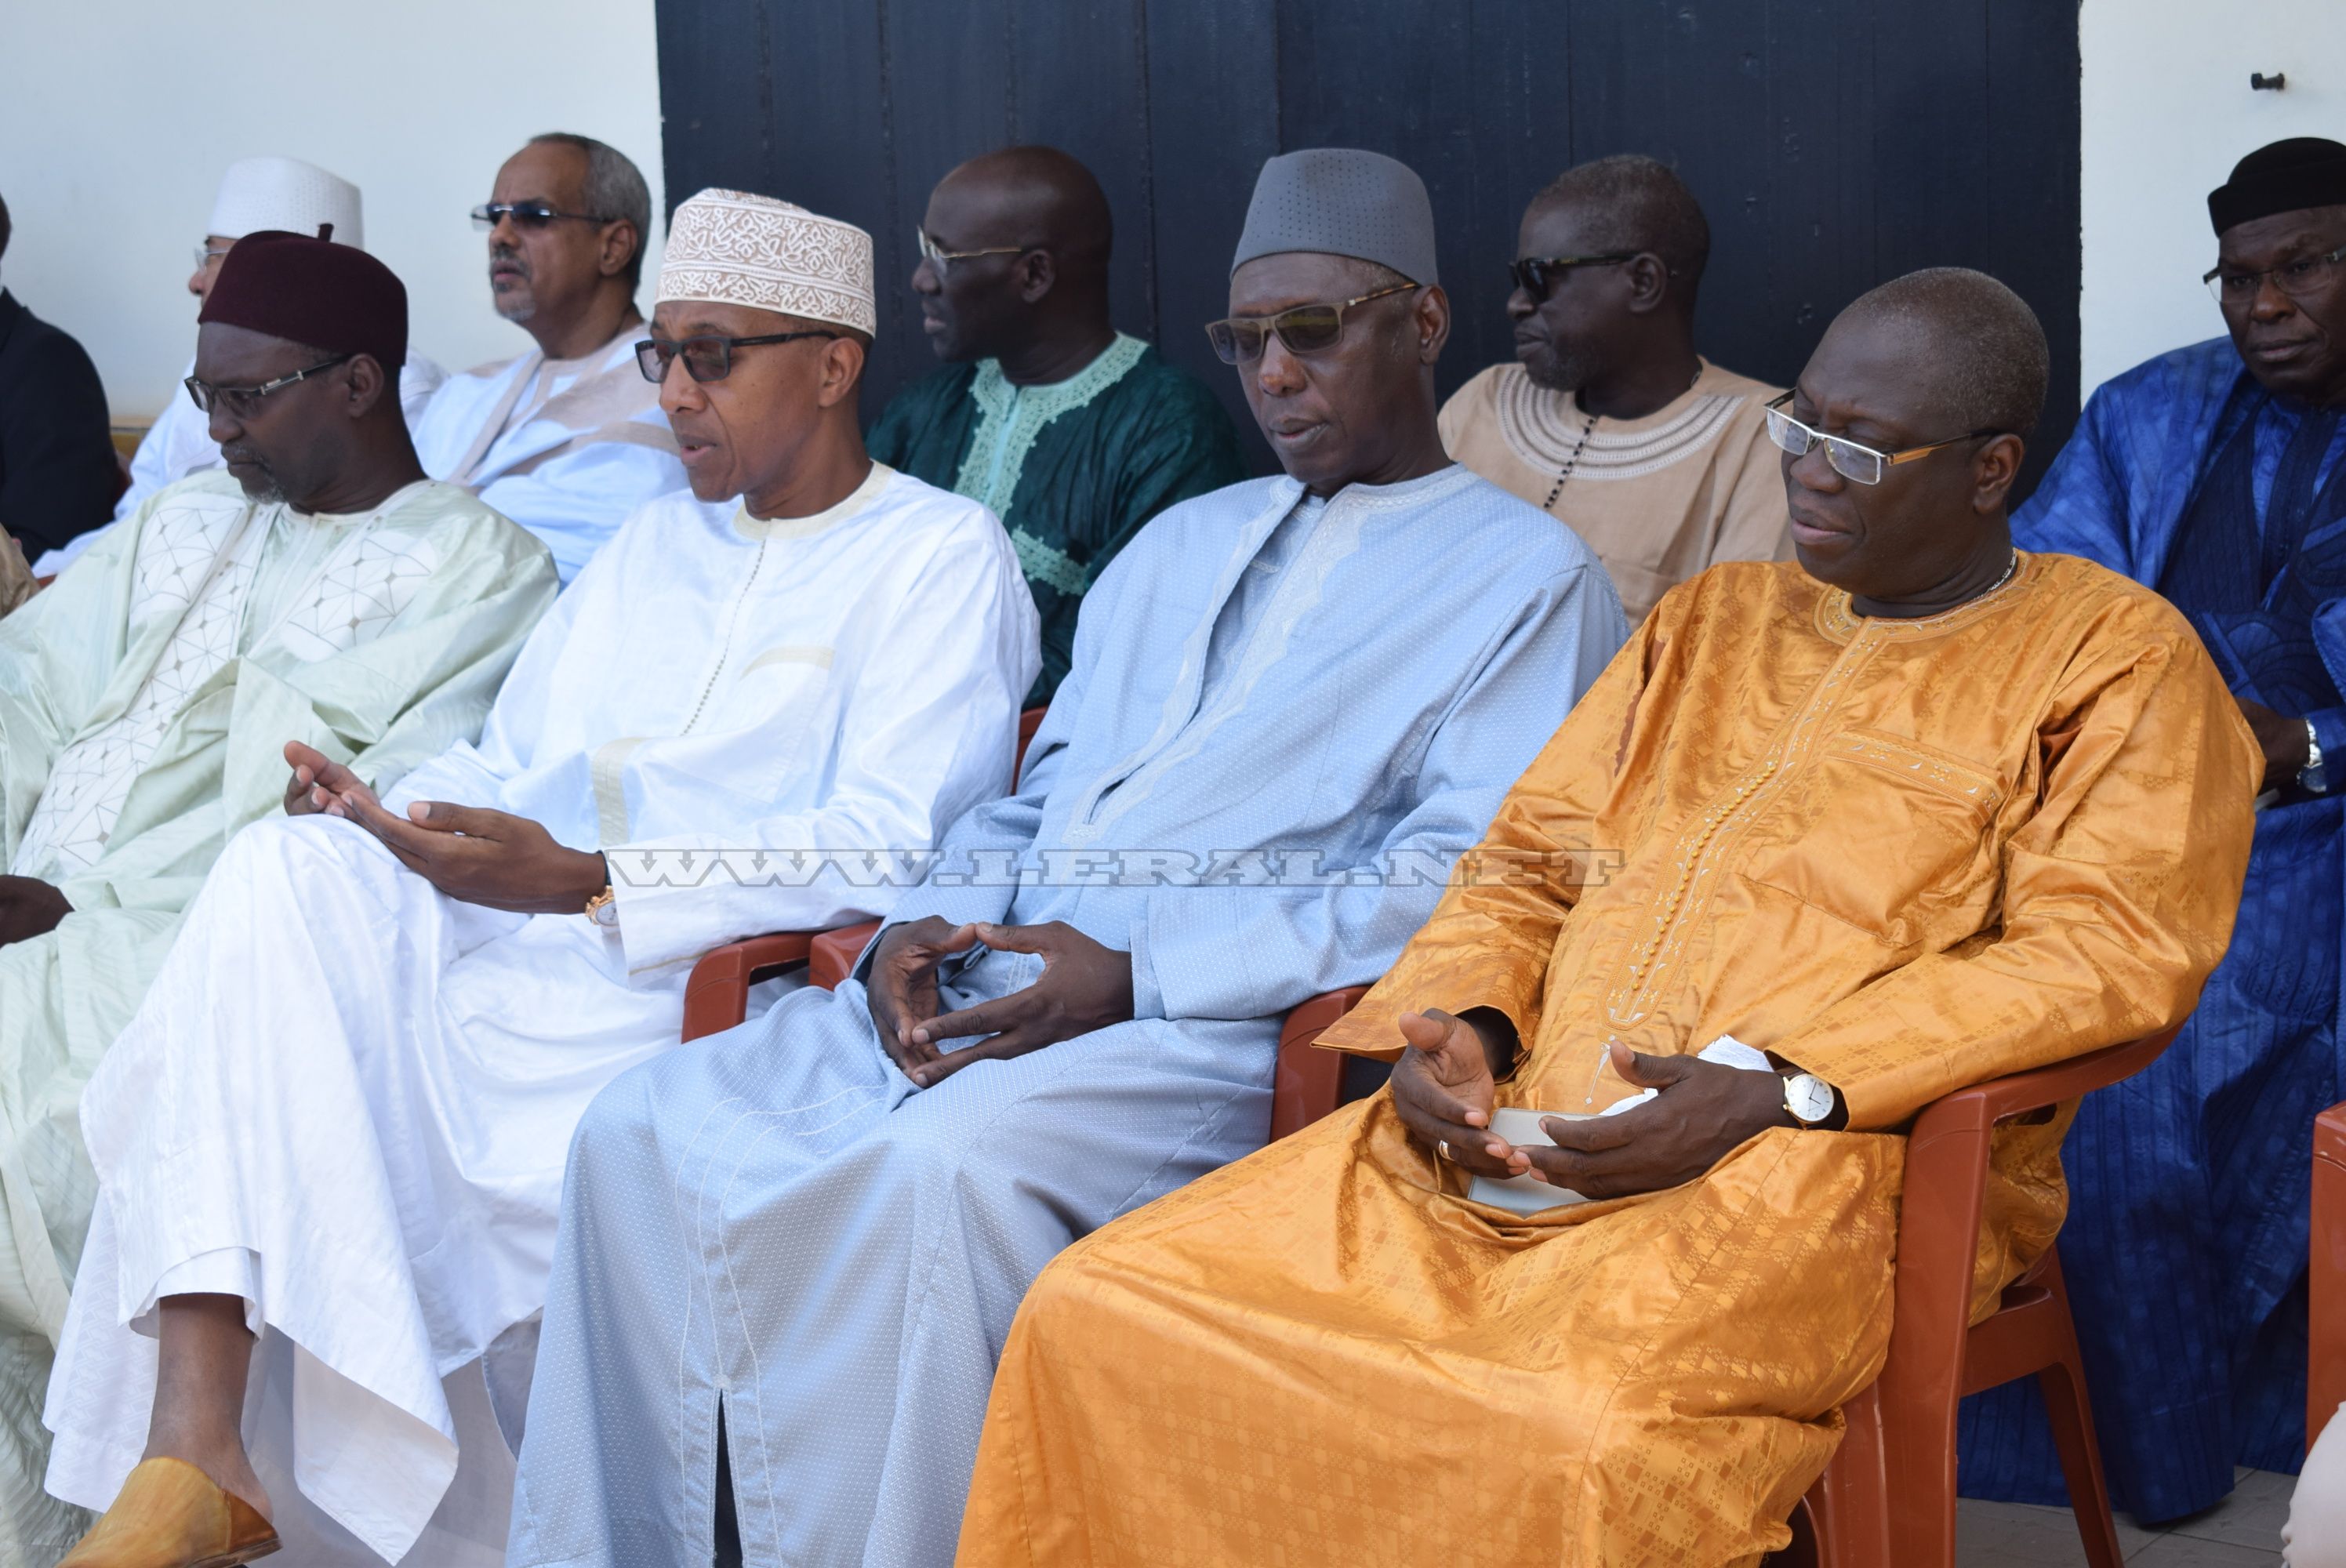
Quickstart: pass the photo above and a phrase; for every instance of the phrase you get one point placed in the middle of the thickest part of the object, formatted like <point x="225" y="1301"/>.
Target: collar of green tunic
<point x="1011" y="417"/>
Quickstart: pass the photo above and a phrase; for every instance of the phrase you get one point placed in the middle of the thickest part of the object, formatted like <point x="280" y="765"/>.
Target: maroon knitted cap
<point x="334" y="298"/>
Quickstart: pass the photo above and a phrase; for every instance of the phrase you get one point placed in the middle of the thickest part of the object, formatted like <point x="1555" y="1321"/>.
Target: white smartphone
<point x="1523" y="1194"/>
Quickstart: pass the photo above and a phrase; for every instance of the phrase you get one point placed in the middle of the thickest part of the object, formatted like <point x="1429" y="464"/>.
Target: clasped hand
<point x="1444" y="1089"/>
<point x="1083" y="986"/>
<point x="489" y="858"/>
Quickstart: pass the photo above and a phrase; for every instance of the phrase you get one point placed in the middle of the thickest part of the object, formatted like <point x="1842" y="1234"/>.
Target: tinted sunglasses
<point x="527" y="214"/>
<point x="1305" y="329"/>
<point x="1532" y="274"/>
<point x="706" y="359"/>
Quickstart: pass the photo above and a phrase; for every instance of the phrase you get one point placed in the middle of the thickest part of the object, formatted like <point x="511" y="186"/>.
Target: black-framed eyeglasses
<point x="245" y="401"/>
<point x="1305" y="329"/>
<point x="1849" y="459"/>
<point x="528" y="215"/>
<point x="706" y="359"/>
<point x="938" y="257"/>
<point x="2306" y="275"/>
<point x="1532" y="274"/>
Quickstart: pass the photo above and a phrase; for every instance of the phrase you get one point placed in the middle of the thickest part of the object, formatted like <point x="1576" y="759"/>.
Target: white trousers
<point x="347" y="1098"/>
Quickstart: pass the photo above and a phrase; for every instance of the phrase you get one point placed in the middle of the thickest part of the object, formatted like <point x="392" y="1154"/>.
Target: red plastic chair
<point x="1311" y="1082"/>
<point x="2325" y="1381"/>
<point x="1901" y="1439"/>
<point x="1889" y="1494"/>
<point x="717" y="995"/>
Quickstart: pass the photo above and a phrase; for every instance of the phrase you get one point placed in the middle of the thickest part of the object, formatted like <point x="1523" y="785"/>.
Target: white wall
<point x="117" y="116"/>
<point x="2168" y="110"/>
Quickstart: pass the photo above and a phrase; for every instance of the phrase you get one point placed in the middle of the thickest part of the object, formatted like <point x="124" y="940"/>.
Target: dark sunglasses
<point x="705" y="359"/>
<point x="1532" y="274"/>
<point x="244" y="401"/>
<point x="1307" y="329"/>
<point x="528" y="215"/>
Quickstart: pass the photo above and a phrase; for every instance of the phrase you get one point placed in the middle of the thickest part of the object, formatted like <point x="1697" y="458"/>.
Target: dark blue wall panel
<point x="1834" y="143"/>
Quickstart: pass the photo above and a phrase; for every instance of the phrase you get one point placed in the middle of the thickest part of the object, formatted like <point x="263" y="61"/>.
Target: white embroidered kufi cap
<point x="258" y="193"/>
<point x="730" y="248"/>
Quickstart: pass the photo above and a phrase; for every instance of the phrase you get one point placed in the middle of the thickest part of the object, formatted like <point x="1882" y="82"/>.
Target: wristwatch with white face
<point x="2311" y="776"/>
<point x="1808" y="1099"/>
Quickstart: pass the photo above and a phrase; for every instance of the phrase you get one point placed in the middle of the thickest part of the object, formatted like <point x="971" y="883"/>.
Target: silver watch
<point x="1808" y="1099"/>
<point x="2310" y="775"/>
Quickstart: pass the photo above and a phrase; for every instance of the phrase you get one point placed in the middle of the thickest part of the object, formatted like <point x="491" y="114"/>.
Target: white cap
<point x="732" y="248"/>
<point x="259" y="193"/>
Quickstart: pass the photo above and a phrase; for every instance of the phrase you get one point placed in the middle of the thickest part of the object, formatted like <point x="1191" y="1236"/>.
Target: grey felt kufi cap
<point x="1341" y="201"/>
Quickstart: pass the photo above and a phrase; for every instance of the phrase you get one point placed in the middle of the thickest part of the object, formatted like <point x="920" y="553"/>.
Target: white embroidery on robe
<point x="365" y="586"/>
<point x="92" y="778"/>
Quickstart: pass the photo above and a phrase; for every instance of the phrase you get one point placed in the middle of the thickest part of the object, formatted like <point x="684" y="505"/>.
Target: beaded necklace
<point x="1588" y="429"/>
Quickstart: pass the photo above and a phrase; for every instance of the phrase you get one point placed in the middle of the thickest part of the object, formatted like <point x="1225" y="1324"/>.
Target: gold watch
<point x="602" y="910"/>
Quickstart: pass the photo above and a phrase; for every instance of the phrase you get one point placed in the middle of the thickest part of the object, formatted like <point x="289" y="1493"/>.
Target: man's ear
<point x="842" y="370"/>
<point x="1649" y="283"/>
<point x="1993" y="470"/>
<point x="1037" y="272"/>
<point x="620" y="243"/>
<point x="364" y="377"/>
<point x="1430" y="320"/>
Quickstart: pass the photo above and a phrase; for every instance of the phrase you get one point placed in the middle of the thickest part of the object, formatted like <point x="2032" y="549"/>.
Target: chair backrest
<point x="2325" y="1382"/>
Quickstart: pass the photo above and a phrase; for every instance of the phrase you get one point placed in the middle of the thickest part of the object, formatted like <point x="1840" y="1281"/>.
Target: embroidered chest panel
<point x="1543" y="428"/>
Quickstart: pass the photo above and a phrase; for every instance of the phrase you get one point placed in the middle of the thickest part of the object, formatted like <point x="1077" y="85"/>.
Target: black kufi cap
<point x="2285" y="176"/>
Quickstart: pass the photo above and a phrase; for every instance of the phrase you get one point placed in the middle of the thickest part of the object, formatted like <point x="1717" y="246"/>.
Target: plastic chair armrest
<point x="835" y="952"/>
<point x="2000" y="1099"/>
<point x="717" y="995"/>
<point x="1309" y="1083"/>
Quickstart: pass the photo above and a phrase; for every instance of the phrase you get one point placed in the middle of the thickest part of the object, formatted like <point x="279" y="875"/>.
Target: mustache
<point x="509" y="255"/>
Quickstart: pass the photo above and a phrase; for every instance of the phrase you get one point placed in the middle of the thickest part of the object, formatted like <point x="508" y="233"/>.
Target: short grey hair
<point x="1978" y="347"/>
<point x="614" y="188"/>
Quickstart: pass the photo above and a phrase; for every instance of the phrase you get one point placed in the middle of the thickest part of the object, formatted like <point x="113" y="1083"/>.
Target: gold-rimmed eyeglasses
<point x="1864" y="464"/>
<point x="1305" y="329"/>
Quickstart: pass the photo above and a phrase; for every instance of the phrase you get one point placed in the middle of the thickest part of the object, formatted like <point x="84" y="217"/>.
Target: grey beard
<point x="517" y="311"/>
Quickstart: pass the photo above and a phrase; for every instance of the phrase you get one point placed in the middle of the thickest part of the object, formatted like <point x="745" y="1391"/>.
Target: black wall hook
<point x="2260" y="82"/>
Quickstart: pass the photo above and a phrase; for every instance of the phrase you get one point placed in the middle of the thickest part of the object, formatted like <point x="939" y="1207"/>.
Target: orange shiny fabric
<point x="1905" y="856"/>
